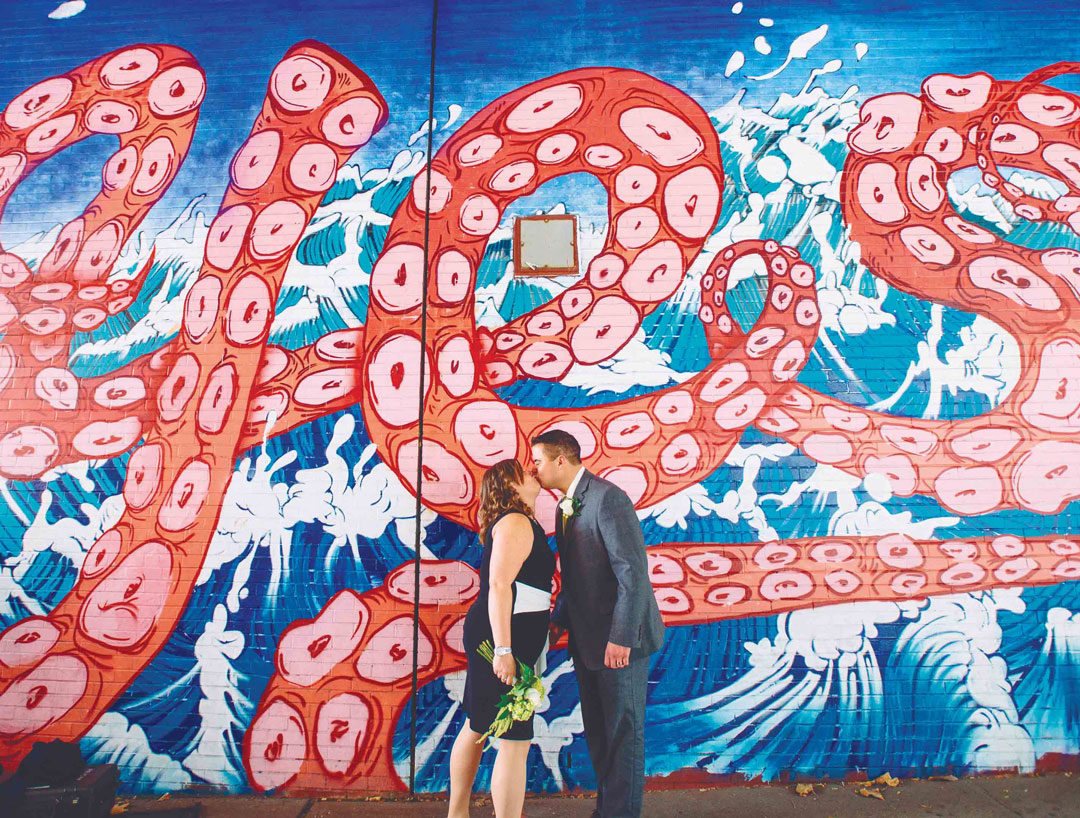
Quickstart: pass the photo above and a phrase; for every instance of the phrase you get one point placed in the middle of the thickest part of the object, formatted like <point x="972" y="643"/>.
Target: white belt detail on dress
<point x="530" y="599"/>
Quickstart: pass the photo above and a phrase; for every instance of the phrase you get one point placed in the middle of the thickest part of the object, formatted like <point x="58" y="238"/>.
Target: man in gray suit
<point x="608" y="606"/>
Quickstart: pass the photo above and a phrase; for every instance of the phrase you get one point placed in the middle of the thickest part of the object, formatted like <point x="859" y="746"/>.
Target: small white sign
<point x="545" y="245"/>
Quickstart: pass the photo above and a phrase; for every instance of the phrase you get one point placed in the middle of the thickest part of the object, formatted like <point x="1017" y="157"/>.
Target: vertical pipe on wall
<point x="420" y="397"/>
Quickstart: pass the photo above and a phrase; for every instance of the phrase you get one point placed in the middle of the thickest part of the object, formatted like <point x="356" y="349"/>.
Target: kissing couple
<point x="606" y="604"/>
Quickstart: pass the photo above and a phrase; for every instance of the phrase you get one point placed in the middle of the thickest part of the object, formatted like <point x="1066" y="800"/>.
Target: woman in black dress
<point x="512" y="611"/>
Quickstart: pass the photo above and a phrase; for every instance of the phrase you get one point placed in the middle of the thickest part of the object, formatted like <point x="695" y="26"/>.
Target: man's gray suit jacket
<point x="606" y="594"/>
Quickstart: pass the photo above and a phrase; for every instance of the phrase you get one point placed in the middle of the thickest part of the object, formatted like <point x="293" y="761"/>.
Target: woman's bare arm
<point x="511" y="542"/>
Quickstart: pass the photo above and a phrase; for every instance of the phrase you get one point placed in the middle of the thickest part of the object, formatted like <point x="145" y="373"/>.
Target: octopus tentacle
<point x="296" y="386"/>
<point x="136" y="579"/>
<point x="1024" y="453"/>
<point x="894" y="200"/>
<point x="705" y="582"/>
<point x="1020" y="109"/>
<point x="148" y="97"/>
<point x="658" y="156"/>
<point x="327" y="718"/>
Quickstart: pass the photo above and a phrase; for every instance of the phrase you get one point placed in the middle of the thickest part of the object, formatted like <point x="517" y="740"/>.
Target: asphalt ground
<point x="1044" y="796"/>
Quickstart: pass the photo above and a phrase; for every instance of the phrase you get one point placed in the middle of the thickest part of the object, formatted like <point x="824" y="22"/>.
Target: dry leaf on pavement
<point x="804" y="789"/>
<point x="888" y="780"/>
<point x="119" y="808"/>
<point x="870" y="792"/>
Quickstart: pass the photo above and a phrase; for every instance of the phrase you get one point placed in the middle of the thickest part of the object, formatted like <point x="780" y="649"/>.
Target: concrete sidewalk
<point x="1050" y="796"/>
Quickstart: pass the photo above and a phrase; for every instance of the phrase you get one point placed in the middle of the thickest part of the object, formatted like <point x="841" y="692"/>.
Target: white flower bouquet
<point x="519" y="702"/>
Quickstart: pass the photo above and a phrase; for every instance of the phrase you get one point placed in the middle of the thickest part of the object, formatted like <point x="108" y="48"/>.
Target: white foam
<point x="223" y="709"/>
<point x="973" y="200"/>
<point x="68" y="10"/>
<point x="807" y="165"/>
<point x="114" y="740"/>
<point x="66" y="537"/>
<point x="987" y="362"/>
<point x="798" y="50"/>
<point x="734" y="63"/>
<point x="635" y="365"/>
<point x="955" y="642"/>
<point x="739" y="504"/>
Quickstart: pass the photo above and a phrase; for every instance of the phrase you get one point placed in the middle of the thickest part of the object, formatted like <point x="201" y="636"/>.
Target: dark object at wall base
<point x="52" y="764"/>
<point x="91" y="795"/>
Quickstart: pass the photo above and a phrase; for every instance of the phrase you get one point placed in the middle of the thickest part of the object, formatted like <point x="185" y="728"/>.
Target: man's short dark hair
<point x="557" y="442"/>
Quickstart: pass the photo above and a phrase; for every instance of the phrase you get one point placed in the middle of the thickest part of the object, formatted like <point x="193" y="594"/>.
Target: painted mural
<point x="824" y="339"/>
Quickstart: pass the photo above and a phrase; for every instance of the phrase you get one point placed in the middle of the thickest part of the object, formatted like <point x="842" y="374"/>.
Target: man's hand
<point x="616" y="656"/>
<point x="505" y="668"/>
<point x="554" y="634"/>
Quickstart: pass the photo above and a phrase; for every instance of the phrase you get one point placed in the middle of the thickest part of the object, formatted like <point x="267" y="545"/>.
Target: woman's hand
<point x="505" y="668"/>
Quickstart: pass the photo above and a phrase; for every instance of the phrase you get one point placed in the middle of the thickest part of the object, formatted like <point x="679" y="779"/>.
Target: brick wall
<point x="823" y="335"/>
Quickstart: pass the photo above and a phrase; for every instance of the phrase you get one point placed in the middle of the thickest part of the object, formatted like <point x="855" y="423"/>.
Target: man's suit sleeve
<point x="625" y="545"/>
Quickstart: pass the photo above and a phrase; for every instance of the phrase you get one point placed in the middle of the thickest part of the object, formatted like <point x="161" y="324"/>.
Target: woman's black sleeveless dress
<point x="528" y="634"/>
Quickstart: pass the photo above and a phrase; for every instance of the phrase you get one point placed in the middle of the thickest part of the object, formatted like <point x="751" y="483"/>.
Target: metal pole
<point x="420" y="404"/>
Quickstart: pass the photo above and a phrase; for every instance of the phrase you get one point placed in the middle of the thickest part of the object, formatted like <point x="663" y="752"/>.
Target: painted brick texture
<point x="823" y="335"/>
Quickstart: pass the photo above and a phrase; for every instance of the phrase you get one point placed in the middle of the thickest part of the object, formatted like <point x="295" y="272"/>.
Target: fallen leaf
<point x="119" y="808"/>
<point x="804" y="789"/>
<point x="888" y="780"/>
<point x="165" y="797"/>
<point x="870" y="792"/>
<point x="944" y="778"/>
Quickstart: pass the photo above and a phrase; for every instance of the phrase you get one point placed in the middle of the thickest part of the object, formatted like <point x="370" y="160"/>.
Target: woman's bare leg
<point x="464" y="760"/>
<point x="508" y="778"/>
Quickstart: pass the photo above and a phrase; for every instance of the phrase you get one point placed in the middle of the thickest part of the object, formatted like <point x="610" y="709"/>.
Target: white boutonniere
<point x="569" y="506"/>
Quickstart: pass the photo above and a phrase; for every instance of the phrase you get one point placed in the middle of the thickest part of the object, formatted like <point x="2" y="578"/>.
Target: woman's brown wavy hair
<point x="498" y="493"/>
